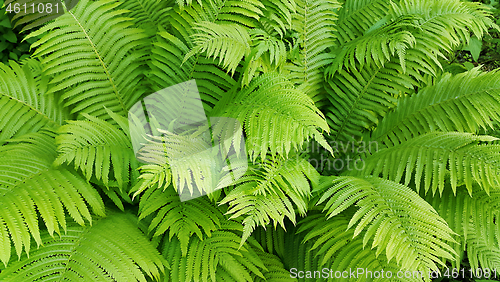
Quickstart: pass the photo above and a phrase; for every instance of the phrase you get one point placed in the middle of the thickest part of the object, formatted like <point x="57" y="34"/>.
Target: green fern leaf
<point x="170" y="48"/>
<point x="278" y="16"/>
<point x="269" y="103"/>
<point x="329" y="244"/>
<point x="148" y="14"/>
<point x="182" y="219"/>
<point x="428" y="157"/>
<point x="113" y="249"/>
<point x="395" y="219"/>
<point x="29" y="185"/>
<point x="168" y="69"/>
<point x="358" y="16"/>
<point x="95" y="146"/>
<point x="25" y="107"/>
<point x="475" y="220"/>
<point x="359" y="99"/>
<point x="213" y="257"/>
<point x="228" y="42"/>
<point x="266" y="193"/>
<point x="314" y="25"/>
<point x="466" y="102"/>
<point x="86" y="65"/>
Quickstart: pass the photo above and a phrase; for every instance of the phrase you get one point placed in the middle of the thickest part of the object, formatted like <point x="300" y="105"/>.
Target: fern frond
<point x="271" y="102"/>
<point x="244" y="13"/>
<point x="94" y="56"/>
<point x="167" y="66"/>
<point x="25" y="105"/>
<point x="437" y="27"/>
<point x="275" y="269"/>
<point x="153" y="175"/>
<point x="430" y="28"/>
<point x="112" y="249"/>
<point x="268" y="54"/>
<point x="200" y="160"/>
<point x="329" y="243"/>
<point x="359" y="99"/>
<point x="482" y="255"/>
<point x="271" y="239"/>
<point x="466" y="102"/>
<point x="358" y="16"/>
<point x="29" y="185"/>
<point x="475" y="220"/>
<point x="98" y="148"/>
<point x="395" y="219"/>
<point x="278" y="15"/>
<point x="148" y="14"/>
<point x="377" y="47"/>
<point x="228" y="42"/>
<point x="269" y="192"/>
<point x="214" y="258"/>
<point x="429" y="157"/>
<point x="314" y="25"/>
<point x="182" y="219"/>
<point x="442" y="26"/>
<point x="168" y="69"/>
<point x="451" y="19"/>
<point x="186" y="3"/>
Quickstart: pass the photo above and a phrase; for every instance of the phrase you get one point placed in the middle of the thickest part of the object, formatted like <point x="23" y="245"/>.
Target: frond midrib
<point x="292" y="117"/>
<point x="381" y="136"/>
<point x="110" y="79"/>
<point x="354" y="105"/>
<point x="72" y="251"/>
<point x="32" y="108"/>
<point x="438" y="148"/>
<point x="22" y="182"/>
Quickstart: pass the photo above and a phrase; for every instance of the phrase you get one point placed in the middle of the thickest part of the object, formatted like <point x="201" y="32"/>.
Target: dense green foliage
<point x="364" y="152"/>
<point x="10" y="46"/>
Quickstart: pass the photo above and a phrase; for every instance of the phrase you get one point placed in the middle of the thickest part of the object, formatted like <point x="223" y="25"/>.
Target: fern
<point x="465" y="102"/>
<point x="474" y="220"/>
<point x="314" y="26"/>
<point x="148" y="14"/>
<point x="92" y="253"/>
<point x="279" y="79"/>
<point x="377" y="46"/>
<point x="416" y="238"/>
<point x="278" y="16"/>
<point x="334" y="246"/>
<point x="265" y="100"/>
<point x="93" y="39"/>
<point x="363" y="94"/>
<point x="358" y="16"/>
<point x="269" y="195"/>
<point x="182" y="219"/>
<point x="94" y="146"/>
<point x="167" y="58"/>
<point x="30" y="188"/>
<point x="25" y="106"/>
<point x="358" y="100"/>
<point x="214" y="258"/>
<point x="228" y="42"/>
<point x="429" y="157"/>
